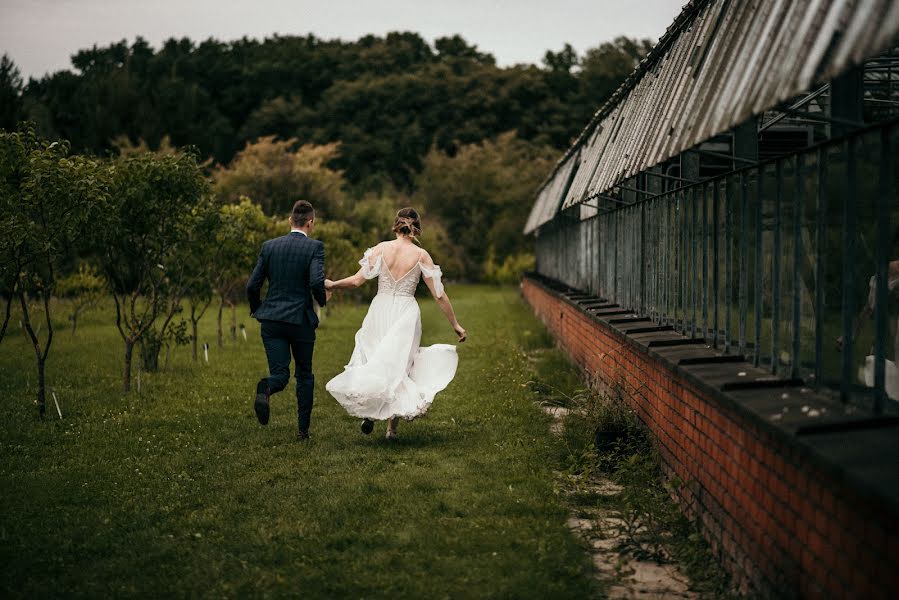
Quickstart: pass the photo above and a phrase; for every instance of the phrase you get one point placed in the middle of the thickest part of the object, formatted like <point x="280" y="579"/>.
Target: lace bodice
<point x="405" y="285"/>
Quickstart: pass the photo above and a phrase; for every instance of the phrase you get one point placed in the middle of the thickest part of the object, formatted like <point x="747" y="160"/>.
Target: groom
<point x="295" y="268"/>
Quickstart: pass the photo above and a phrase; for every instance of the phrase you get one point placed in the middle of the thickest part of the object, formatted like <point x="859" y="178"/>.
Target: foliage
<point x="483" y="193"/>
<point x="388" y="100"/>
<point x="275" y="174"/>
<point x="342" y="248"/>
<point x="143" y="240"/>
<point x="603" y="68"/>
<point x="125" y="148"/>
<point x="201" y="260"/>
<point x="511" y="269"/>
<point x="443" y="247"/>
<point x="83" y="288"/>
<point x="48" y="198"/>
<point x="10" y="93"/>
<point x="241" y="230"/>
<point x="357" y="128"/>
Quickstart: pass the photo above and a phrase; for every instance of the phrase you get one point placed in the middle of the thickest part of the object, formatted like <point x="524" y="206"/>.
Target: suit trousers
<point x="280" y="340"/>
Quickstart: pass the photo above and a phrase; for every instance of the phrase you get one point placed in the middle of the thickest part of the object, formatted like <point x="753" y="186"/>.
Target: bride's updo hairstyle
<point x="407" y="223"/>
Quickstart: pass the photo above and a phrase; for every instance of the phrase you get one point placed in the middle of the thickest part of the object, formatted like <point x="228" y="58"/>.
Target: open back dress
<point x="389" y="374"/>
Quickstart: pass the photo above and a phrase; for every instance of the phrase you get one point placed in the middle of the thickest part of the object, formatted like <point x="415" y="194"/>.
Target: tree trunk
<point x="233" y="321"/>
<point x="41" y="388"/>
<point x="193" y="339"/>
<point x="126" y="378"/>
<point x="219" y="332"/>
<point x="6" y="317"/>
<point x="41" y="357"/>
<point x="150" y="347"/>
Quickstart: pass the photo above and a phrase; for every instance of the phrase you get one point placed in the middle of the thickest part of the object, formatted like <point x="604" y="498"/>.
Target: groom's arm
<point x="254" y="285"/>
<point x="317" y="274"/>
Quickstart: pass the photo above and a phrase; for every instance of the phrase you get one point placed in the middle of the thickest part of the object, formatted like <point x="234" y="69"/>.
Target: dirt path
<point x="623" y="576"/>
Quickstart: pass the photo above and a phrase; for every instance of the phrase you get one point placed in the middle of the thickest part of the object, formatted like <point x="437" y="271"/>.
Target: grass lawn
<point x="178" y="491"/>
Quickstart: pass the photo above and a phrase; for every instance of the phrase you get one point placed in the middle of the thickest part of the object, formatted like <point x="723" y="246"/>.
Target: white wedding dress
<point x="389" y="375"/>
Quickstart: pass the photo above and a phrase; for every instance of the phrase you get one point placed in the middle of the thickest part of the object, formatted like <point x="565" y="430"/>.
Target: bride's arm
<point x="443" y="300"/>
<point x="444" y="303"/>
<point x="353" y="281"/>
<point x="370" y="265"/>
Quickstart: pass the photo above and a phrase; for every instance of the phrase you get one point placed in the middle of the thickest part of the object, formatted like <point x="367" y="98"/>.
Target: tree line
<point x="387" y="100"/>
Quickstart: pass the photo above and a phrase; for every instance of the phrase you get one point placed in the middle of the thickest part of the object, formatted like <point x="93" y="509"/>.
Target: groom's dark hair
<point x="302" y="212"/>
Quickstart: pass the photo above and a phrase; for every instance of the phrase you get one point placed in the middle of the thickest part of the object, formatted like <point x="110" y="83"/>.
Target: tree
<point x="386" y="99"/>
<point x="455" y="47"/>
<point x="84" y="288"/>
<point x="603" y="68"/>
<point x="275" y="174"/>
<point x="140" y="240"/>
<point x="200" y="260"/>
<point x="242" y="229"/>
<point x="483" y="194"/>
<point x="10" y="93"/>
<point x="49" y="198"/>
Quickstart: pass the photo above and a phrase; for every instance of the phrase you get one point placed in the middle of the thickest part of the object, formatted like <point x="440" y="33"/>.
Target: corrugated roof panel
<point x="719" y="63"/>
<point x="550" y="197"/>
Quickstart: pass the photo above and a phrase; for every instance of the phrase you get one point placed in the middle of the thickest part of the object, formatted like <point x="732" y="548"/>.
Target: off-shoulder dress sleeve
<point x="371" y="267"/>
<point x="434" y="274"/>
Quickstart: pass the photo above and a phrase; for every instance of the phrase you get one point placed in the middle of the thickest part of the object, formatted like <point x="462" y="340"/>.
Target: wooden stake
<point x="56" y="402"/>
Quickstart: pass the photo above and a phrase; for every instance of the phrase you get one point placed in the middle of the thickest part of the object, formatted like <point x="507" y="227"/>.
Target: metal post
<point x="743" y="262"/>
<point x="885" y="198"/>
<point x="705" y="261"/>
<point x="797" y="259"/>
<point x="669" y="259"/>
<point x="715" y="257"/>
<point x="728" y="263"/>
<point x="617" y="252"/>
<point x="694" y="260"/>
<point x="775" y="267"/>
<point x="821" y="230"/>
<point x="642" y="257"/>
<point x="846" y="101"/>
<point x="759" y="192"/>
<point x="848" y="271"/>
<point x="746" y="140"/>
<point x="679" y="321"/>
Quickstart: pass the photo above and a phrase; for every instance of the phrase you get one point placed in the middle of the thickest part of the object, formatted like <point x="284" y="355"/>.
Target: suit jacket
<point x="295" y="268"/>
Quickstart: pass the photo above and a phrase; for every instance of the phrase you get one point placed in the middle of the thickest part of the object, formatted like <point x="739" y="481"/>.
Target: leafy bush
<point x="511" y="269"/>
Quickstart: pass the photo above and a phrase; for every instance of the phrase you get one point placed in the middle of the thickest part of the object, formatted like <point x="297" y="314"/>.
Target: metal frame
<point x="761" y="251"/>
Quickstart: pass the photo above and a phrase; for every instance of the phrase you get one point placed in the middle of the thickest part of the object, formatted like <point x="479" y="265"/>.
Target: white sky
<point x="41" y="35"/>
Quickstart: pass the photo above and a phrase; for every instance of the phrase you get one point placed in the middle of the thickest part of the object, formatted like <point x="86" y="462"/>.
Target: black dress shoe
<point x="367" y="426"/>
<point x="302" y="436"/>
<point x="260" y="405"/>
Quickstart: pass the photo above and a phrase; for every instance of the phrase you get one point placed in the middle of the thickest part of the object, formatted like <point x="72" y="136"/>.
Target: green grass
<point x="179" y="491"/>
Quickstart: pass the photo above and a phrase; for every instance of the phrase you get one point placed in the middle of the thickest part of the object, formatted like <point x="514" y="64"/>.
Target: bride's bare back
<point x="400" y="257"/>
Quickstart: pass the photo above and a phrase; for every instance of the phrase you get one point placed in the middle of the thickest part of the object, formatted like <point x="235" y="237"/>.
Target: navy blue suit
<point x="294" y="266"/>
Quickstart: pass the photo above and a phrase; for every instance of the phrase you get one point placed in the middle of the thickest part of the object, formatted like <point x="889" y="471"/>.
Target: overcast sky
<point x="41" y="35"/>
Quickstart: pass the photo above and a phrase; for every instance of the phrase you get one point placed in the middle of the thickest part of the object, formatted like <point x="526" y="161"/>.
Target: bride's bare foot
<point x="391" y="428"/>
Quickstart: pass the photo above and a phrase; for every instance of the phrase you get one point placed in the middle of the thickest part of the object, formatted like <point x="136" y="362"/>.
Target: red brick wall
<point x="781" y="525"/>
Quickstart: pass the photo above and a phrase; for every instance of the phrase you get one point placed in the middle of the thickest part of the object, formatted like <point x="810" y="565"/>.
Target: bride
<point x="389" y="376"/>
